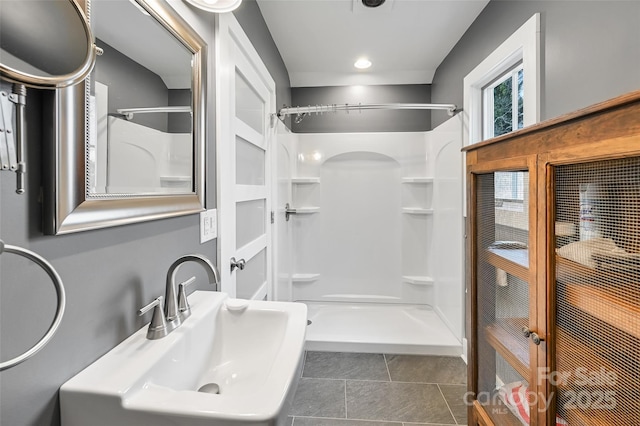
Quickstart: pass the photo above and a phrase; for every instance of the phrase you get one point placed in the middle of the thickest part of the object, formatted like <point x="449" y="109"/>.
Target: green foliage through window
<point x="504" y="113"/>
<point x="504" y="104"/>
<point x="502" y="108"/>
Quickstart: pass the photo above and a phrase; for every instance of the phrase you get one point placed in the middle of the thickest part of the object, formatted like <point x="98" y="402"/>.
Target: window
<point x="503" y="104"/>
<point x="515" y="64"/>
<point x="501" y="95"/>
<point x="503" y="112"/>
<point x="509" y="187"/>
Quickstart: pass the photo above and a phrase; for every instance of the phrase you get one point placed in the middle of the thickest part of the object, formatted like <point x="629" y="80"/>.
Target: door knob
<point x="288" y="211"/>
<point x="536" y="338"/>
<point x="239" y="264"/>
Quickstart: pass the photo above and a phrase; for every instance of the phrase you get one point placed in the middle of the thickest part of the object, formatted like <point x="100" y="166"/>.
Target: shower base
<point x="378" y="328"/>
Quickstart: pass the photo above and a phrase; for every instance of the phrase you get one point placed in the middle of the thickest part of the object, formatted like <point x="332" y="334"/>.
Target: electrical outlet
<point x="208" y="225"/>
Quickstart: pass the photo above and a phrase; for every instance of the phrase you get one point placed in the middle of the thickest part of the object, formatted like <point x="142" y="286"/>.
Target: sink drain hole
<point x="210" y="388"/>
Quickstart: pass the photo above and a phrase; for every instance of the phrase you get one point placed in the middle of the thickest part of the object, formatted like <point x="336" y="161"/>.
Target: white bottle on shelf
<point x="589" y="219"/>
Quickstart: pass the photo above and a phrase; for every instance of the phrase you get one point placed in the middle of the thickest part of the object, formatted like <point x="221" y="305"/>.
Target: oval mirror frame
<point x="68" y="206"/>
<point x="59" y="81"/>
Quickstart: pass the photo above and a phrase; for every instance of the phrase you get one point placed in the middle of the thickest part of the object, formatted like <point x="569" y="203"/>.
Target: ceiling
<point x="406" y="40"/>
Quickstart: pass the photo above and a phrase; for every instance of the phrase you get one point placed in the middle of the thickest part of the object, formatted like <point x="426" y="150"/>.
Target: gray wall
<point x="179" y="122"/>
<point x="252" y="22"/>
<point x="367" y="120"/>
<point x="590" y="51"/>
<point x="108" y="274"/>
<point x="131" y="86"/>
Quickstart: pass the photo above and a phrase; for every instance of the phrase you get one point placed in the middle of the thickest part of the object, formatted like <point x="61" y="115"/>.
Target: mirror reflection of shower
<point x="140" y="119"/>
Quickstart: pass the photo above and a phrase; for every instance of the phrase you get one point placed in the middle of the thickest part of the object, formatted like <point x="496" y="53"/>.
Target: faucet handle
<point x="183" y="303"/>
<point x="158" y="326"/>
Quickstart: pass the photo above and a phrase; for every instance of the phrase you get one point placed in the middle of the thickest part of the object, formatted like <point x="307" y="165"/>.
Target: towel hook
<point x="57" y="282"/>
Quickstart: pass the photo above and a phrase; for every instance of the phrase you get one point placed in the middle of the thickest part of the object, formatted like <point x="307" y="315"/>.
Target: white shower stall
<point x="374" y="241"/>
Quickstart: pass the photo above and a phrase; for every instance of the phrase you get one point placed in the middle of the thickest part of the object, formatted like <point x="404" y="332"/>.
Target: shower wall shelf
<point x="305" y="180"/>
<point x="179" y="182"/>
<point x="184" y="178"/>
<point x="418" y="280"/>
<point x="304" y="278"/>
<point x="417" y="211"/>
<point x="417" y="180"/>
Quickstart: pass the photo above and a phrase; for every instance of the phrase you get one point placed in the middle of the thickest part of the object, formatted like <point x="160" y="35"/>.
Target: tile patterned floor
<point x="355" y="389"/>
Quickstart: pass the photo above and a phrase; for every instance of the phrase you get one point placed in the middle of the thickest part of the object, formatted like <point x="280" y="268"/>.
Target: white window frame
<point x="522" y="46"/>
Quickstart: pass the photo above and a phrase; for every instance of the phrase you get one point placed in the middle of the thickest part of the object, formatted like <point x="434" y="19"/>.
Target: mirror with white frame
<point x="137" y="124"/>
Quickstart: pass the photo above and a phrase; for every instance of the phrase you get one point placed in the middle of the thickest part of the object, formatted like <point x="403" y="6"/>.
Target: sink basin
<point x="252" y="350"/>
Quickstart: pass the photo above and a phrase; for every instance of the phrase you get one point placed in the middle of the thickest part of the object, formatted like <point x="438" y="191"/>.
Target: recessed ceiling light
<point x="372" y="3"/>
<point x="217" y="6"/>
<point x="362" y="63"/>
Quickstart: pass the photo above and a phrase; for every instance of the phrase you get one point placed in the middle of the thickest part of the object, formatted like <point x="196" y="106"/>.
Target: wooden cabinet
<point x="553" y="247"/>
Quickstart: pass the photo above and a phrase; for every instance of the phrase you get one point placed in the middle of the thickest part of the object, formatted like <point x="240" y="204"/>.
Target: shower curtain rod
<point x="301" y="112"/>
<point x="130" y="112"/>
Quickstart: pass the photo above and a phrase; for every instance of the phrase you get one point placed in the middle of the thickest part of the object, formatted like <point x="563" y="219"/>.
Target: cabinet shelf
<point x="417" y="180"/>
<point x="579" y="417"/>
<point x="599" y="302"/>
<point x="505" y="336"/>
<point x="571" y="355"/>
<point x="569" y="271"/>
<point x="417" y="210"/>
<point x="605" y="306"/>
<point x="305" y="180"/>
<point x="497" y="412"/>
<point x="514" y="262"/>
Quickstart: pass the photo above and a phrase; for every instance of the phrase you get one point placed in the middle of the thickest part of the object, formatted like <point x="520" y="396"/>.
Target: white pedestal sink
<point x="251" y="349"/>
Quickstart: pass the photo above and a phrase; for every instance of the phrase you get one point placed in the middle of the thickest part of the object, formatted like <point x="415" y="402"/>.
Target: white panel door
<point x="245" y="103"/>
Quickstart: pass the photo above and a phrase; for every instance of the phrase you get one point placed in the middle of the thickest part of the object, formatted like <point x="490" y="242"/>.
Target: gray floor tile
<point x="427" y="369"/>
<point x="424" y="424"/>
<point x="307" y="421"/>
<point x="341" y="365"/>
<point x="319" y="398"/>
<point x="289" y="421"/>
<point x="399" y="402"/>
<point x="454" y="395"/>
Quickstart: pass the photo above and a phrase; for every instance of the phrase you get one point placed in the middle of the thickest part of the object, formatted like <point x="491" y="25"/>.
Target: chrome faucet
<point x="176" y="308"/>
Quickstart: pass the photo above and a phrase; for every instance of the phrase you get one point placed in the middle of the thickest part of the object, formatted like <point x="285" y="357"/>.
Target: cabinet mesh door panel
<point x="597" y="344"/>
<point x="502" y="294"/>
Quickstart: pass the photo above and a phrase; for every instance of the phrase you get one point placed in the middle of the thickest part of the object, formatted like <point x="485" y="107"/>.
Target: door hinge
<point x="273" y="217"/>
